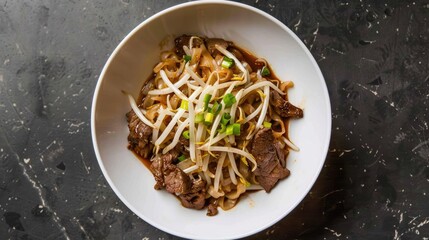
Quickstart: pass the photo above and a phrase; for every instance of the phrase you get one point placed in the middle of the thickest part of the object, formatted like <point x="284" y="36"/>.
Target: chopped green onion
<point x="265" y="71"/>
<point x="181" y="157"/>
<point x="267" y="124"/>
<point x="216" y="108"/>
<point x="229" y="99"/>
<point x="225" y="118"/>
<point x="233" y="129"/>
<point x="222" y="128"/>
<point x="227" y="62"/>
<point x="208" y="118"/>
<point x="199" y="118"/>
<point x="184" y="104"/>
<point x="187" y="58"/>
<point x="185" y="134"/>
<point x="207" y="98"/>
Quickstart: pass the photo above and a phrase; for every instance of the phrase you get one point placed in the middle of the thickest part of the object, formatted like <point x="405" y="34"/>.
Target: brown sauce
<point x="145" y="161"/>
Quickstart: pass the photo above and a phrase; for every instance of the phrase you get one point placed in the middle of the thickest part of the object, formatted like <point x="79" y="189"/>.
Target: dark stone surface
<point x="373" y="54"/>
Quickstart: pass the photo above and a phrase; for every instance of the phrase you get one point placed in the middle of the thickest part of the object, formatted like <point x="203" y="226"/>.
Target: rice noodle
<point x="237" y="62"/>
<point x="241" y="188"/>
<point x="168" y="90"/>
<point x="194" y="75"/>
<point x="214" y="193"/>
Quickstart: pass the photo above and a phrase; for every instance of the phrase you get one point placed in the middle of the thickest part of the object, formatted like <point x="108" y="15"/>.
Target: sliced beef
<point x="156" y="169"/>
<point x="139" y="136"/>
<point x="190" y="191"/>
<point x="284" y="108"/>
<point x="183" y="40"/>
<point x="196" y="198"/>
<point x="282" y="153"/>
<point x="268" y="182"/>
<point x="212" y="209"/>
<point x="212" y="42"/>
<point x="163" y="165"/>
<point x="268" y="171"/>
<point x="177" y="182"/>
<point x="193" y="200"/>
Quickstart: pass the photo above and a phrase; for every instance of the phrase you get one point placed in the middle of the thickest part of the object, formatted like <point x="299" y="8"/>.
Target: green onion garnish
<point x="216" y="108"/>
<point x="185" y="134"/>
<point x="229" y="99"/>
<point x="267" y="124"/>
<point x="184" y="105"/>
<point x="233" y="129"/>
<point x="199" y="118"/>
<point x="187" y="58"/>
<point x="208" y="118"/>
<point x="181" y="157"/>
<point x="227" y="62"/>
<point x="222" y="128"/>
<point x="225" y="118"/>
<point x="207" y="98"/>
<point x="265" y="71"/>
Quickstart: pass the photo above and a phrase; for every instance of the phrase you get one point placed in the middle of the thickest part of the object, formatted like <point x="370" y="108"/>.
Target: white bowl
<point x="132" y="62"/>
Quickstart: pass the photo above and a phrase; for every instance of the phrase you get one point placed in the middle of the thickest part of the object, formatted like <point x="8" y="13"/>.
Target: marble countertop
<point x="374" y="56"/>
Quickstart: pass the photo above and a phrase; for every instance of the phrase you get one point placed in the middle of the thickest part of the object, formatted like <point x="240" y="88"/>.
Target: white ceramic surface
<point x="132" y="62"/>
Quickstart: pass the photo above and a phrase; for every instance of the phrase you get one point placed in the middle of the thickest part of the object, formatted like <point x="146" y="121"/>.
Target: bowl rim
<point x="175" y="8"/>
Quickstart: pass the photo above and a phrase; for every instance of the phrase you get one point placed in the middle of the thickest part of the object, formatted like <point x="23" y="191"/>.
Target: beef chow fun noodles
<point x="213" y="121"/>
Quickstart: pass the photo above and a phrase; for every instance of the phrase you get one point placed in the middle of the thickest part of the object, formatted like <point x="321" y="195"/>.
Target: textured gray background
<point x="373" y="54"/>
